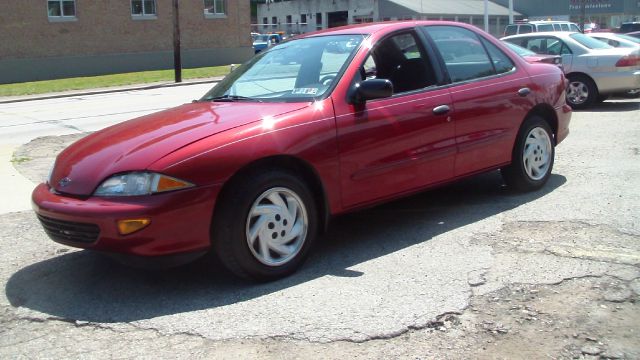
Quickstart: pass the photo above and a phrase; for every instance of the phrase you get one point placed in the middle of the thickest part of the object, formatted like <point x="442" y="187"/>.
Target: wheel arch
<point x="578" y="73"/>
<point x="294" y="165"/>
<point x="546" y="112"/>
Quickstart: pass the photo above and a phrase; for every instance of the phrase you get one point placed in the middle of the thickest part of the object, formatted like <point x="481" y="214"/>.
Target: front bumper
<point x="180" y="221"/>
<point x="617" y="81"/>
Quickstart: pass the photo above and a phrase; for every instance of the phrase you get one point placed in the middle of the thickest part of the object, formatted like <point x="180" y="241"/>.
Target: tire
<point x="265" y="225"/>
<point x="533" y="156"/>
<point x="632" y="94"/>
<point x="581" y="92"/>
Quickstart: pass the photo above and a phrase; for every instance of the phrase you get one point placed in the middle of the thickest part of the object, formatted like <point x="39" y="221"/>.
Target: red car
<point x="254" y="170"/>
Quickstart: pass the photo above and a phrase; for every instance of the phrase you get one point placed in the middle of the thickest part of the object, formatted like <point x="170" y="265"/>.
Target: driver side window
<point x="401" y="60"/>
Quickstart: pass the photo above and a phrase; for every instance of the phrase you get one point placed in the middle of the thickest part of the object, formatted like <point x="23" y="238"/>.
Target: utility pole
<point x="486" y="15"/>
<point x="583" y="13"/>
<point x="177" y="62"/>
<point x="510" y="11"/>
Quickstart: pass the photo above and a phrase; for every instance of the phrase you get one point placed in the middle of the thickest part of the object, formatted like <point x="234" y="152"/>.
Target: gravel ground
<point x="470" y="270"/>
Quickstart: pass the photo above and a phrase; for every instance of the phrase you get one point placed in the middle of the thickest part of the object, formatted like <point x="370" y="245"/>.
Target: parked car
<point x="253" y="170"/>
<point x="617" y="40"/>
<point x="595" y="69"/>
<point x="532" y="57"/>
<point x="635" y="34"/>
<point x="525" y="27"/>
<point x="628" y="27"/>
<point x="262" y="42"/>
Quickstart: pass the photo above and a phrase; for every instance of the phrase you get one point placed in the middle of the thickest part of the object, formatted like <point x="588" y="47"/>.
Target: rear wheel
<point x="581" y="92"/>
<point x="265" y="226"/>
<point x="532" y="158"/>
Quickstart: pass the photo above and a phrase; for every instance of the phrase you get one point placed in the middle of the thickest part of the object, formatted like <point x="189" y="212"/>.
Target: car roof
<point x="372" y="28"/>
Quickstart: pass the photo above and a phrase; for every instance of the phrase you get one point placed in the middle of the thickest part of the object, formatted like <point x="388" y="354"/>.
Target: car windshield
<point x="297" y="70"/>
<point x="590" y="42"/>
<point x="519" y="49"/>
<point x="261" y="38"/>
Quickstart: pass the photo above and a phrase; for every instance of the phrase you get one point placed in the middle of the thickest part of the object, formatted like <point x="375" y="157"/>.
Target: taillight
<point x="628" y="60"/>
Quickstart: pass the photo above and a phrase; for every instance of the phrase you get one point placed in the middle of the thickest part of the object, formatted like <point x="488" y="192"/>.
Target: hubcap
<point x="276" y="226"/>
<point x="536" y="156"/>
<point x="577" y="92"/>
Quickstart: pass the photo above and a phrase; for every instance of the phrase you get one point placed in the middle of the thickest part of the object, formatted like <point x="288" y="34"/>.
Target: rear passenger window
<point x="545" y="27"/>
<point x="463" y="53"/>
<point x="511" y="30"/>
<point x="556" y="27"/>
<point x="565" y="27"/>
<point x="525" y="29"/>
<point x="501" y="61"/>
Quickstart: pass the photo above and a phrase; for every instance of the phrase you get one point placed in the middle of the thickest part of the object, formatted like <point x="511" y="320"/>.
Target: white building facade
<point x="300" y="16"/>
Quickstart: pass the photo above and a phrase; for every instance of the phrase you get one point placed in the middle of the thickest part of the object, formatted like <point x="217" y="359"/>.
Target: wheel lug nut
<point x="271" y="225"/>
<point x="274" y="235"/>
<point x="282" y="233"/>
<point x="277" y="217"/>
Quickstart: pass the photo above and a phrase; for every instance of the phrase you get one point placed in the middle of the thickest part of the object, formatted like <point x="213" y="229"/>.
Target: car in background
<point x="617" y="40"/>
<point x="525" y="27"/>
<point x="628" y="27"/>
<point x="253" y="170"/>
<point x="532" y="57"/>
<point x="595" y="69"/>
<point x="262" y="42"/>
<point x="635" y="34"/>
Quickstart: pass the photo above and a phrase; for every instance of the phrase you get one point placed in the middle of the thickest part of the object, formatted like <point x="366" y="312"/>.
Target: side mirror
<point x="371" y="89"/>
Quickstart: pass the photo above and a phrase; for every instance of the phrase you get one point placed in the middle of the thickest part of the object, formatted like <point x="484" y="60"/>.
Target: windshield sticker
<point x="305" y="91"/>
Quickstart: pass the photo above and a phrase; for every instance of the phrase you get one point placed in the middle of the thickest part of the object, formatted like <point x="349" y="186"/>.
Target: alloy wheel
<point x="577" y="92"/>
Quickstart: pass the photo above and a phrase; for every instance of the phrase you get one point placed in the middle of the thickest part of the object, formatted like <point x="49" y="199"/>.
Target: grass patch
<point x="92" y="82"/>
<point x="20" y="159"/>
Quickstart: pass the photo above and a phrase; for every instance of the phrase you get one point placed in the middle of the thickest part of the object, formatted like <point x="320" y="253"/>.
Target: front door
<point x="395" y="145"/>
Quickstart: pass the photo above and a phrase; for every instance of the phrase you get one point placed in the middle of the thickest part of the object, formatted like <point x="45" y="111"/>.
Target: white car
<point x="617" y="40"/>
<point x="595" y="69"/>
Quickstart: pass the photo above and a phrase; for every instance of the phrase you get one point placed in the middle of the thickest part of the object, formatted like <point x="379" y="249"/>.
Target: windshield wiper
<point x="232" y="98"/>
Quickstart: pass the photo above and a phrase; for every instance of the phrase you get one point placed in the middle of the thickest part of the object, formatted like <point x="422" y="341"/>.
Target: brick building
<point x="47" y="39"/>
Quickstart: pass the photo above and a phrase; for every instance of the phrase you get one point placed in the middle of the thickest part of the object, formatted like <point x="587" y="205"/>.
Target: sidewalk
<point x="146" y="86"/>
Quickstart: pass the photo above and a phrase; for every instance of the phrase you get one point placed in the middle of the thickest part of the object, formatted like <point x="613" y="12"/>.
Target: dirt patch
<point x="37" y="156"/>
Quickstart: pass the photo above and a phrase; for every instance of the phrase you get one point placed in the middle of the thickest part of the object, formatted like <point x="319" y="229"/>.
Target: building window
<point x="61" y="10"/>
<point x="215" y="8"/>
<point x="319" y="21"/>
<point x="303" y="19"/>
<point x="289" y="20"/>
<point x="274" y="20"/>
<point x="143" y="9"/>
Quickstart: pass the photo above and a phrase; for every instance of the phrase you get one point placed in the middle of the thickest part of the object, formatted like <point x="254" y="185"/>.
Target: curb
<point x="109" y="90"/>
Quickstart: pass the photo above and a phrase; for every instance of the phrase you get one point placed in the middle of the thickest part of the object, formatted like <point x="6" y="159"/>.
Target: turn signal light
<point x="129" y="226"/>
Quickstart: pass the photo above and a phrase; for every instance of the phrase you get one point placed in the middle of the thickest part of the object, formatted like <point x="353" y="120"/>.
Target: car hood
<point x="135" y="144"/>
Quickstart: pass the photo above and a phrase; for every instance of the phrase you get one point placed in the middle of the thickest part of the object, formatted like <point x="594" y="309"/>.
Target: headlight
<point x="139" y="183"/>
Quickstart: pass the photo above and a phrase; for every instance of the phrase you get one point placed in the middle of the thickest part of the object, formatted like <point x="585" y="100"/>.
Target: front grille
<point x="67" y="231"/>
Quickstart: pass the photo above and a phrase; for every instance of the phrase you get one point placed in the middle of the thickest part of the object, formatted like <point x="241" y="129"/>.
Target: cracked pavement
<point x="467" y="270"/>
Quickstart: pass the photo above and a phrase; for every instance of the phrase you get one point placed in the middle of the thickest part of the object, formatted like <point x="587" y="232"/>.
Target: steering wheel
<point x="327" y="79"/>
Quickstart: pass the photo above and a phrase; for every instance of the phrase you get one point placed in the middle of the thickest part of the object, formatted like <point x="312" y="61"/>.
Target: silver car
<point x="617" y="40"/>
<point x="595" y="69"/>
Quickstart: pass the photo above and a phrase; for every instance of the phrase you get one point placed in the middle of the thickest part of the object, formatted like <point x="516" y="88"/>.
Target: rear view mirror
<point x="371" y="89"/>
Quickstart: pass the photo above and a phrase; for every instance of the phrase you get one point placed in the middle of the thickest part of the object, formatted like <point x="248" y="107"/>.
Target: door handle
<point x="441" y="110"/>
<point x="524" y="91"/>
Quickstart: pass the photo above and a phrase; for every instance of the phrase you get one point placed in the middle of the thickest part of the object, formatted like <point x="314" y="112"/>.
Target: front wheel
<point x="532" y="158"/>
<point x="265" y="226"/>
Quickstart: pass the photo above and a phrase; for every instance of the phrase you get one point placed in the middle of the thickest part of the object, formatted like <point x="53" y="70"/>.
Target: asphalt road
<point x="379" y="278"/>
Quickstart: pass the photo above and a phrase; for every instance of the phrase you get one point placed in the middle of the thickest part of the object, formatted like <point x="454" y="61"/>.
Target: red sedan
<point x="326" y="123"/>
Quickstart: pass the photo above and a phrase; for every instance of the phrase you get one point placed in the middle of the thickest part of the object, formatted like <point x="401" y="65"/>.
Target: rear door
<point x="491" y="97"/>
